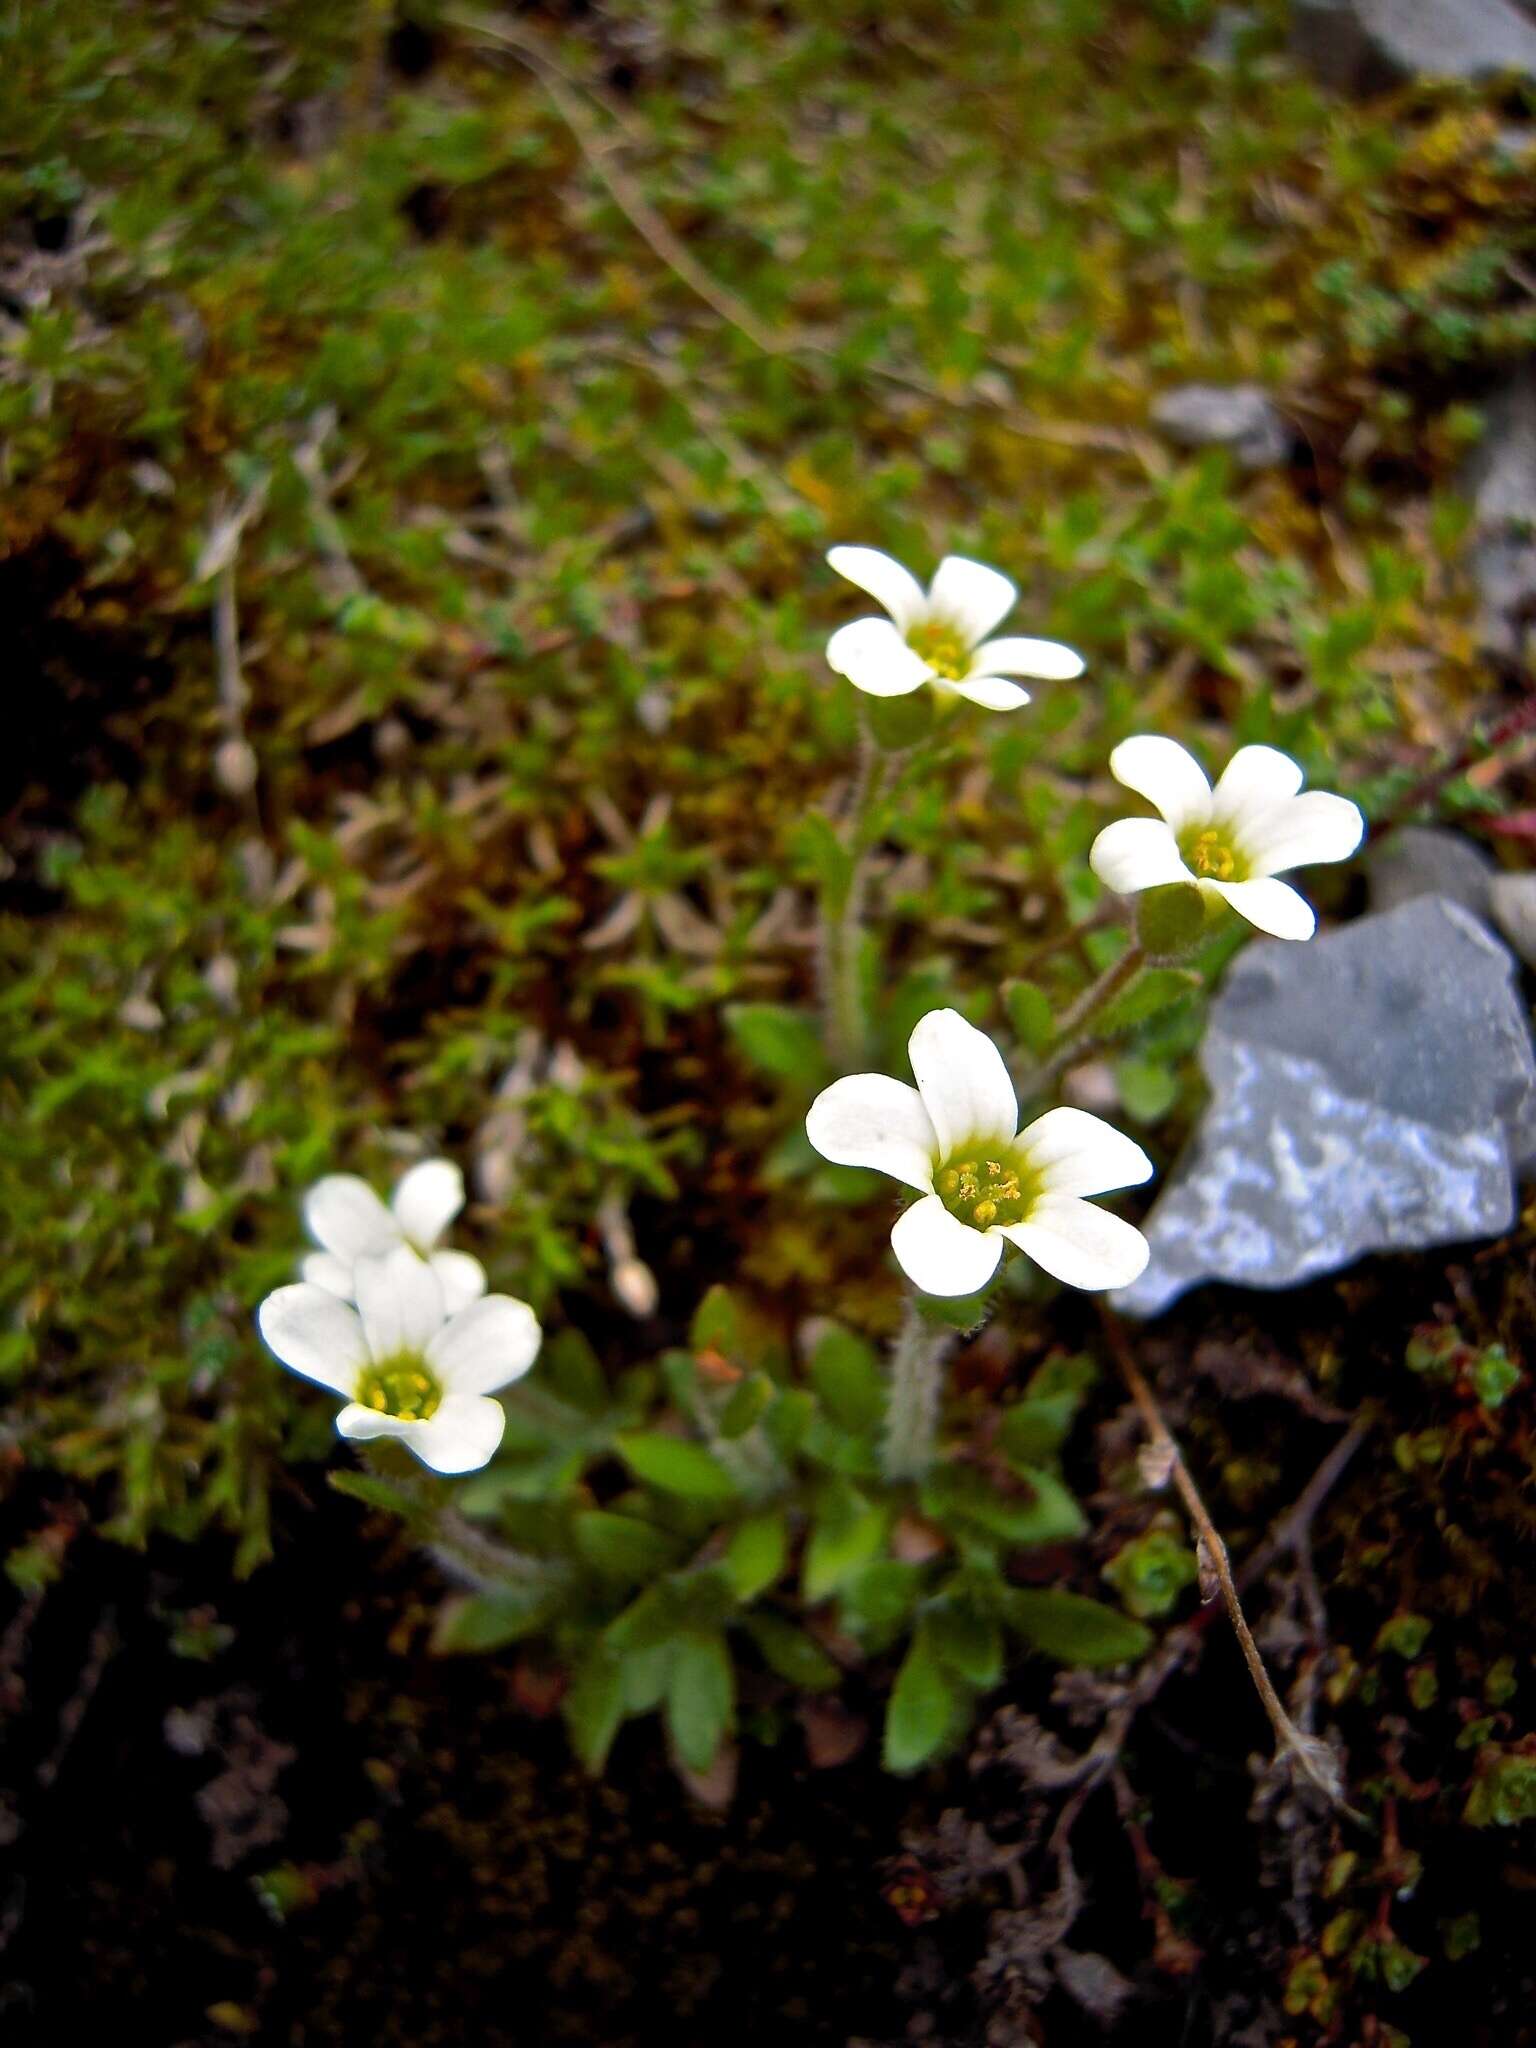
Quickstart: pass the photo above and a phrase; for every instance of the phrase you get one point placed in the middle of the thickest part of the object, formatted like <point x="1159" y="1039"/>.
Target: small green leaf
<point x="478" y="1622"/>
<point x="848" y="1533"/>
<point x="384" y="1494"/>
<point x="876" y="1603"/>
<point x="818" y="848"/>
<point x="969" y="1643"/>
<point x="675" y="1465"/>
<point x="1045" y="1513"/>
<point x="623" y="1547"/>
<point x="1148" y="1089"/>
<point x="848" y="1382"/>
<point x="1155" y="991"/>
<point x="747" y="1405"/>
<point x="593" y="1707"/>
<point x="568" y="1368"/>
<point x="779" y="1041"/>
<point x="791" y="1653"/>
<point x="756" y="1554"/>
<point x="644" y="1675"/>
<point x="1073" y="1629"/>
<point x="1029" y="1012"/>
<point x="787" y="1420"/>
<point x="700" y="1696"/>
<point x="922" y="1710"/>
<point x="716" y="1324"/>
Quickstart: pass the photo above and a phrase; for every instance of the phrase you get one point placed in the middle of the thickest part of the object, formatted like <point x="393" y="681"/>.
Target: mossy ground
<point x="412" y="576"/>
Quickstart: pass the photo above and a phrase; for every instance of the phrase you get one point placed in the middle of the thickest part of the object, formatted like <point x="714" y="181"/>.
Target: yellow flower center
<point x="1210" y="855"/>
<point x="941" y="646"/>
<point x="984" y="1189"/>
<point x="402" y="1387"/>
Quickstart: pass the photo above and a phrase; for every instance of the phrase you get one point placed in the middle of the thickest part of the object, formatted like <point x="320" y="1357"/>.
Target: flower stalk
<point x="917" y="1386"/>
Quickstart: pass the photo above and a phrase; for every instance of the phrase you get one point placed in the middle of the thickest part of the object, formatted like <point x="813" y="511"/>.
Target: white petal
<point x="461" y="1278"/>
<point x="400" y="1300"/>
<point x="427" y="1200"/>
<point x="1275" y="907"/>
<point x="1048" y="659"/>
<point x="1302" y="832"/>
<point x="1078" y="1154"/>
<point x="886" y="581"/>
<point x="461" y="1436"/>
<point x="871" y="1120"/>
<point x="939" y="1253"/>
<point x="485" y="1346"/>
<point x="1167" y="775"/>
<point x="1253" y="779"/>
<point x="346" y="1217"/>
<point x="991" y="692"/>
<point x="964" y="1084"/>
<point x="971" y="596"/>
<point x="324" y="1269"/>
<point x="1080" y="1244"/>
<point x="874" y="657"/>
<point x="1137" y="853"/>
<point x="314" y="1334"/>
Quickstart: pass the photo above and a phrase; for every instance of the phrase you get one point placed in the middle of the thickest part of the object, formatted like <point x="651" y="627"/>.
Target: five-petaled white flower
<point x="1232" y="840"/>
<point x="955" y="1138"/>
<point x="348" y="1221"/>
<point x="406" y="1367"/>
<point x="939" y="635"/>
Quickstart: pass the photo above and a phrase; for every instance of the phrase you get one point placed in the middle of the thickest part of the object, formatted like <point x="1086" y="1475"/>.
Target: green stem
<point x="461" y="1550"/>
<point x="843" y="918"/>
<point x="917" y="1385"/>
<point x="1072" y="1036"/>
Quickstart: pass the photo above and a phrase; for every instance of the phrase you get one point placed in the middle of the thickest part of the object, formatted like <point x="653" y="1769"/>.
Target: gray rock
<point x="1513" y="901"/>
<point x="1367" y="46"/>
<point x="1426" y="860"/>
<point x="1500" y="479"/>
<point x="1241" y="417"/>
<point x="1373" y="1090"/>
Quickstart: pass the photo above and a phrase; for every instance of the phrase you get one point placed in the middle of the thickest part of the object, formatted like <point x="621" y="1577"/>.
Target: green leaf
<point x="846" y="1377"/>
<point x="756" y="1554"/>
<point x="1073" y="1629"/>
<point x="847" y="1534"/>
<point x="779" y="1041"/>
<point x="716" y="1324"/>
<point x="686" y="1600"/>
<point x="1148" y="1089"/>
<point x="791" y="1653"/>
<point x="623" y="1547"/>
<point x="1047" y="1513"/>
<point x="593" y="1707"/>
<point x="818" y="848"/>
<point x="1029" y="1012"/>
<point x="384" y="1494"/>
<point x="1154" y="991"/>
<point x="568" y="1368"/>
<point x="478" y="1622"/>
<point x="747" y="1405"/>
<point x="877" y="1602"/>
<point x="969" y="1643"/>
<point x="787" y="1420"/>
<point x="675" y="1465"/>
<point x="700" y="1696"/>
<point x="644" y="1675"/>
<point x="923" y="1707"/>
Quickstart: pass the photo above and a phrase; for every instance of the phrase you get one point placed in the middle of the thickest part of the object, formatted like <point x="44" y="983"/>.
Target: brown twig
<point x="1312" y="1757"/>
<point x="1479" y="746"/>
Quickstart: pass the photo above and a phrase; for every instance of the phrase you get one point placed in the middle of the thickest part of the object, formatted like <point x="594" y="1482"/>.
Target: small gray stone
<point x="1513" y="900"/>
<point x="1373" y="1090"/>
<point x="1426" y="860"/>
<point x="1241" y="417"/>
<point x="1367" y="46"/>
<point x="1500" y="479"/>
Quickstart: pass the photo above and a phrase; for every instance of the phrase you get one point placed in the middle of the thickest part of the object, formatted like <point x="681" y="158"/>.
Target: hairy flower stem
<point x="842" y="914"/>
<point x="460" y="1550"/>
<point x="912" y="1407"/>
<point x="1314" y="1758"/>
<point x="1072" y="1037"/>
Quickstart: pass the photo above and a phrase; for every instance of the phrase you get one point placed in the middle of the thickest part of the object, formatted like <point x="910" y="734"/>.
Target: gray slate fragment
<point x="1427" y="860"/>
<point x="1367" y="46"/>
<point x="1372" y="1090"/>
<point x="1513" y="902"/>
<point x="1241" y="417"/>
<point x="1500" y="479"/>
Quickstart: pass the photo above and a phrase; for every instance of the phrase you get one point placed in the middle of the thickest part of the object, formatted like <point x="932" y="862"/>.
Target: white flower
<point x="1232" y="840"/>
<point x="955" y="1137"/>
<point x="939" y="635"/>
<point x="349" y="1222"/>
<point x="407" y="1368"/>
